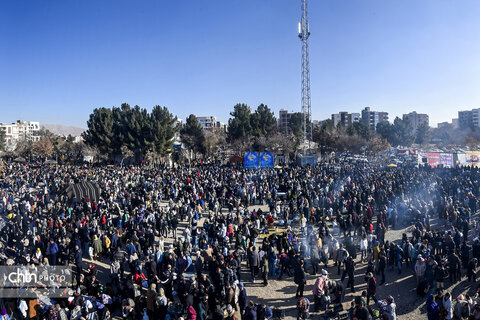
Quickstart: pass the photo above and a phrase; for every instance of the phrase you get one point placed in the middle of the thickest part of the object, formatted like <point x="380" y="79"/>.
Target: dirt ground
<point x="281" y="293"/>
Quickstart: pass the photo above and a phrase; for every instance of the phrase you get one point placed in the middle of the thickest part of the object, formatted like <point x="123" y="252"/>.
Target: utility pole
<point x="303" y="34"/>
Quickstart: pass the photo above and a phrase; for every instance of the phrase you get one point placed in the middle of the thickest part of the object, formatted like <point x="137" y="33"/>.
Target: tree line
<point x="121" y="132"/>
<point x="127" y="131"/>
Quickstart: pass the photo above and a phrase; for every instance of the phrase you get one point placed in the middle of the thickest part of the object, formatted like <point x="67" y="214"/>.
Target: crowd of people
<point x="184" y="242"/>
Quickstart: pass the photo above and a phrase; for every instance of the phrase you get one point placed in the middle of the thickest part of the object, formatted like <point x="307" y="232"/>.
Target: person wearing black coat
<point x="350" y="270"/>
<point x="250" y="311"/>
<point x="476" y="249"/>
<point x="465" y="253"/>
<point x="242" y="299"/>
<point x="261" y="311"/>
<point x="453" y="266"/>
<point x="382" y="264"/>
<point x="300" y="278"/>
<point x="199" y="265"/>
<point x="152" y="270"/>
<point x="471" y="273"/>
<point x="78" y="261"/>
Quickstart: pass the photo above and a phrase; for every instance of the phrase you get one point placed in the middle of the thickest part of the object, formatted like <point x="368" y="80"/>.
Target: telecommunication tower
<point x="303" y="34"/>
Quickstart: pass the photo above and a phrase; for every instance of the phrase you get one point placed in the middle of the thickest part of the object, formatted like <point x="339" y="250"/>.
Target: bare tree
<point x="43" y="147"/>
<point x="377" y="144"/>
<point x="241" y="145"/>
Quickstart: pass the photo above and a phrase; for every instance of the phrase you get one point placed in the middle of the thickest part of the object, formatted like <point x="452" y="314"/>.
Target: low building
<point x="207" y="122"/>
<point x="444" y="124"/>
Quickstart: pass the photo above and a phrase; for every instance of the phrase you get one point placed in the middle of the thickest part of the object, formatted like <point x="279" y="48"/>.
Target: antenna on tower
<point x="303" y="34"/>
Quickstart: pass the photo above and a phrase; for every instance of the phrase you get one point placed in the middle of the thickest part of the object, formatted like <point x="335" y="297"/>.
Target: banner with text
<point x="446" y="159"/>
<point x="433" y="159"/>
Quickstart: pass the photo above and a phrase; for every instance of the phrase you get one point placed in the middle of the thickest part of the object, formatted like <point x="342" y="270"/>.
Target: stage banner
<point x="266" y="160"/>
<point x="433" y="159"/>
<point x="446" y="159"/>
<point x="460" y="159"/>
<point x="473" y="158"/>
<point x="252" y="160"/>
<point x="422" y="157"/>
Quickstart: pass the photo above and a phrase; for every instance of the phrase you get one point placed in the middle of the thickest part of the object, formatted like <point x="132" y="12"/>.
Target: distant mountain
<point x="63" y="130"/>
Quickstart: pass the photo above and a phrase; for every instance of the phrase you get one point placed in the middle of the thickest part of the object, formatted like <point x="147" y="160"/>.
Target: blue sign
<point x="266" y="160"/>
<point x="251" y="159"/>
<point x="446" y="159"/>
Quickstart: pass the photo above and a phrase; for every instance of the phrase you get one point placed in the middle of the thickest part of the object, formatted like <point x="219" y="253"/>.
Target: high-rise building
<point x="356" y="117"/>
<point x="465" y="118"/>
<point x="469" y="118"/>
<point x="455" y="123"/>
<point x="284" y="120"/>
<point x="336" y="118"/>
<point x="20" y="130"/>
<point x="372" y="118"/>
<point x="345" y="118"/>
<point x="416" y="119"/>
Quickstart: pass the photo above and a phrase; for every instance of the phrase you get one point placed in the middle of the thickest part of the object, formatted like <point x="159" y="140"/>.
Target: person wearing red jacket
<point x="371" y="288"/>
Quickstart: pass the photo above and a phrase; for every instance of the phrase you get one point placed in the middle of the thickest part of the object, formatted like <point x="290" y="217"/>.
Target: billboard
<point x="460" y="159"/>
<point x="422" y="158"/>
<point x="252" y="160"/>
<point x="473" y="158"/>
<point x="433" y="159"/>
<point x="446" y="159"/>
<point x="266" y="160"/>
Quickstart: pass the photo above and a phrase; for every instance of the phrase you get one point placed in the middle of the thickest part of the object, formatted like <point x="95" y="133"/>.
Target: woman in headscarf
<point x="461" y="308"/>
<point x="191" y="314"/>
<point x="447" y="305"/>
<point x="432" y="308"/>
<point x="150" y="300"/>
<point x="319" y="290"/>
<point x="161" y="303"/>
<point x="97" y="246"/>
<point x="390" y="309"/>
<point x="38" y="257"/>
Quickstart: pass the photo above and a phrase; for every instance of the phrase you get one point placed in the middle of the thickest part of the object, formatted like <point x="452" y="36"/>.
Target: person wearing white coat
<point x="447" y="304"/>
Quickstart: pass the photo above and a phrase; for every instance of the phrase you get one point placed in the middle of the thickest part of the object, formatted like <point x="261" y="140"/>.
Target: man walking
<point x="350" y="270"/>
<point x="78" y="261"/>
<point x="300" y="278"/>
<point x="52" y="252"/>
<point x="254" y="261"/>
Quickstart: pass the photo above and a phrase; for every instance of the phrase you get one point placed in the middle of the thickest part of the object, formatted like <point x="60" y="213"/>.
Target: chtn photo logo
<point x="27" y="276"/>
<point x="34" y="281"/>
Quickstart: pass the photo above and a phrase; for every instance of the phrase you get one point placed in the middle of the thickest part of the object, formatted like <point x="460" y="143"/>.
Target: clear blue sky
<point x="61" y="59"/>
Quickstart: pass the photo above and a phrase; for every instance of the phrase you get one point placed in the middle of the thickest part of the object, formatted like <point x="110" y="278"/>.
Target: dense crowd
<point x="182" y="242"/>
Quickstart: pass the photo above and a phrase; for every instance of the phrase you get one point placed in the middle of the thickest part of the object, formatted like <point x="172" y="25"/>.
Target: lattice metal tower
<point x="303" y="34"/>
